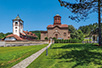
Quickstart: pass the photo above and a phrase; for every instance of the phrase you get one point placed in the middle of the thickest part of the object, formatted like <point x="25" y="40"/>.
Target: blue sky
<point x="36" y="14"/>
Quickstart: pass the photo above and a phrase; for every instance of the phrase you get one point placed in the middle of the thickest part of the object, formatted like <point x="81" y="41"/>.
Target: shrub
<point x="68" y="41"/>
<point x="54" y="38"/>
<point x="46" y="38"/>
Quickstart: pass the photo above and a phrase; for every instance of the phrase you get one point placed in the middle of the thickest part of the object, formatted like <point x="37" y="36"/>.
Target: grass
<point x="70" y="55"/>
<point x="10" y="56"/>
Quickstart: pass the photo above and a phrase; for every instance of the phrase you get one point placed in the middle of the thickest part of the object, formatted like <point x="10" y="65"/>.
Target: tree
<point x="88" y="29"/>
<point x="78" y="34"/>
<point x="82" y="8"/>
<point x="37" y="33"/>
<point x="71" y="29"/>
<point x="1" y="35"/>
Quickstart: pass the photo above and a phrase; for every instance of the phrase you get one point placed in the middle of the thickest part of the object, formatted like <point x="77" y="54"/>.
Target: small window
<point x="16" y="31"/>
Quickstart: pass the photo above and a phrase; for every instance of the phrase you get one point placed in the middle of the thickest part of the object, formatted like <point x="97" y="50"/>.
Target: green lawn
<point x="70" y="56"/>
<point x="10" y="56"/>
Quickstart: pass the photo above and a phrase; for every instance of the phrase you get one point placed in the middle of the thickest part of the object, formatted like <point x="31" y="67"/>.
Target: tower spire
<point x="57" y="19"/>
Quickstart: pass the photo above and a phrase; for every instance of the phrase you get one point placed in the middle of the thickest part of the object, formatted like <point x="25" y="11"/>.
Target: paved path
<point x="29" y="60"/>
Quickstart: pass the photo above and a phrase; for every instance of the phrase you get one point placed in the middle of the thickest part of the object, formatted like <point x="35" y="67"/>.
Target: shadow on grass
<point x="81" y="46"/>
<point x="69" y="46"/>
<point x="81" y="57"/>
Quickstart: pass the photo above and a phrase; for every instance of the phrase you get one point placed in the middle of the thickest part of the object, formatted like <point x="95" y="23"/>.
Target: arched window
<point x="15" y="27"/>
<point x="16" y="23"/>
<point x="56" y="36"/>
<point x="64" y="34"/>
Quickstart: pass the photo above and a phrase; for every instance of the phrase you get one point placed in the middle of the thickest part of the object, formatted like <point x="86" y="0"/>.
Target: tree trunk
<point x="99" y="21"/>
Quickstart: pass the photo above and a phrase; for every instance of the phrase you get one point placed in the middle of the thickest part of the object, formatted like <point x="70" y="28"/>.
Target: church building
<point x="57" y="30"/>
<point x="18" y="32"/>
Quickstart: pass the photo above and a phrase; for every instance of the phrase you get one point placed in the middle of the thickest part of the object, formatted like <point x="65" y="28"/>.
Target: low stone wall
<point x="25" y="43"/>
<point x="2" y="43"/>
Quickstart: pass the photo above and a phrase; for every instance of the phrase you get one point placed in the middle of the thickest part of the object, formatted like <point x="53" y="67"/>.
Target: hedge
<point x="68" y="41"/>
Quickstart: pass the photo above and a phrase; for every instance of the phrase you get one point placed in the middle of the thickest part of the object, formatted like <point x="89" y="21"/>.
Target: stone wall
<point x="24" y="43"/>
<point x="2" y="43"/>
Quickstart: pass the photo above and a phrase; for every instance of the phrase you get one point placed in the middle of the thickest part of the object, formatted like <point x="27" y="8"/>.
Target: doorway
<point x="56" y="36"/>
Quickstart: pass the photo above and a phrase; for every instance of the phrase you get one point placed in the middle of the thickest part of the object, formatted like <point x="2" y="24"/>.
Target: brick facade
<point x="57" y="30"/>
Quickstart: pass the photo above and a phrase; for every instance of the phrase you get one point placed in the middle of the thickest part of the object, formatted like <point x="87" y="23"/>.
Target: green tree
<point x="1" y="35"/>
<point x="82" y="8"/>
<point x="78" y="34"/>
<point x="71" y="29"/>
<point x="37" y="33"/>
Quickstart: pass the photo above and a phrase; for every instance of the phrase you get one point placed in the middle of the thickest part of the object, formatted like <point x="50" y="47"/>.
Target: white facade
<point x="10" y="39"/>
<point x="17" y="27"/>
<point x="21" y="27"/>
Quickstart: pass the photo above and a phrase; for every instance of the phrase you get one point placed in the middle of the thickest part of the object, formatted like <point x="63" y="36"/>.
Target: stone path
<point x="29" y="60"/>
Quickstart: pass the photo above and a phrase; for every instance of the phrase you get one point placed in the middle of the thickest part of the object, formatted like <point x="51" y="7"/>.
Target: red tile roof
<point x="15" y="36"/>
<point x="64" y="25"/>
<point x="29" y="33"/>
<point x="61" y="26"/>
<point x="23" y="34"/>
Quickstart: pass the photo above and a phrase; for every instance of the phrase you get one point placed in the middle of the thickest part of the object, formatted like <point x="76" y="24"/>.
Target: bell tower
<point x="57" y="20"/>
<point x="17" y="26"/>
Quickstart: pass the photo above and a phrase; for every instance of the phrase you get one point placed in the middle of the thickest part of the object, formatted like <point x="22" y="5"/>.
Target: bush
<point x="54" y="38"/>
<point x="68" y="41"/>
<point x="46" y="38"/>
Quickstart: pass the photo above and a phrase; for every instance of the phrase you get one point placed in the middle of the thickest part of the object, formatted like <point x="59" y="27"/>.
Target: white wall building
<point x="17" y="26"/>
<point x="18" y="33"/>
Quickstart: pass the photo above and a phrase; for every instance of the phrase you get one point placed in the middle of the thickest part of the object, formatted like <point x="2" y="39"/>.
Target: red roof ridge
<point x="15" y="36"/>
<point x="29" y="33"/>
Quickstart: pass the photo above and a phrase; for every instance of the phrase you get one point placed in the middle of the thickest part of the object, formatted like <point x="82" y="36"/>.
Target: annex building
<point x="18" y="33"/>
<point x="57" y="30"/>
